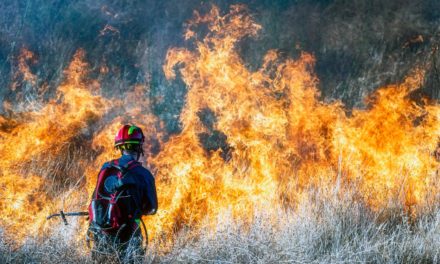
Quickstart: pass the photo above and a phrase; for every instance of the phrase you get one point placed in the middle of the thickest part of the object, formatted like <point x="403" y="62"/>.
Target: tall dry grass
<point x="324" y="230"/>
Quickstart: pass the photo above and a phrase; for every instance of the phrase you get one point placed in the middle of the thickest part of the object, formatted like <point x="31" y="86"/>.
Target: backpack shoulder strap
<point x="115" y="164"/>
<point x="132" y="164"/>
<point x="125" y="168"/>
<point x="101" y="176"/>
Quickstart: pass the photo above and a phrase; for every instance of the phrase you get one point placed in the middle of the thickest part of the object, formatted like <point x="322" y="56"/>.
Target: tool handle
<point x="63" y="216"/>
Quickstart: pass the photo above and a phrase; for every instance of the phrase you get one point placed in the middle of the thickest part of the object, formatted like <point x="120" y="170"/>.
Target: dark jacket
<point x="140" y="185"/>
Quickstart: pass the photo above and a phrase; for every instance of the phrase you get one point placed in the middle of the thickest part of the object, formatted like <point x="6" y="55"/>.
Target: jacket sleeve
<point x="149" y="204"/>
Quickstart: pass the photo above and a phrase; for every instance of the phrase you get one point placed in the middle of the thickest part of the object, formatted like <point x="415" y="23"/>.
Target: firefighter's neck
<point x="134" y="155"/>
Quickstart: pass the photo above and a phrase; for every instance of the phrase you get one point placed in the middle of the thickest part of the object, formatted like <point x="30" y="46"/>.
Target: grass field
<point x="337" y="230"/>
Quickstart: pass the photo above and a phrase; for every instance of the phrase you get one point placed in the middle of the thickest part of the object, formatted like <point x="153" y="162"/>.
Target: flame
<point x="25" y="59"/>
<point x="34" y="145"/>
<point x="275" y="138"/>
<point x="250" y="140"/>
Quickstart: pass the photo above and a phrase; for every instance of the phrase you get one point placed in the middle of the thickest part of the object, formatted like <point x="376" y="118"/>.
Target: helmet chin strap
<point x="140" y="153"/>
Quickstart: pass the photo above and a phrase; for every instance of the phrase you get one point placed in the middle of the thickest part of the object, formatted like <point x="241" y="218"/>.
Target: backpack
<point x="111" y="209"/>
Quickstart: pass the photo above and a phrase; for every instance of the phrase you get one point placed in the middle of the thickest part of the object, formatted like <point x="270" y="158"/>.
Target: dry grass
<point x="335" y="231"/>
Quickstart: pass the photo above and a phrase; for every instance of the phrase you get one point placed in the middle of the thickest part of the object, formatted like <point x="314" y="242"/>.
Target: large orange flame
<point x="275" y="138"/>
<point x="33" y="147"/>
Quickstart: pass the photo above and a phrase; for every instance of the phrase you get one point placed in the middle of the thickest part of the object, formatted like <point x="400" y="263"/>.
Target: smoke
<point x="359" y="45"/>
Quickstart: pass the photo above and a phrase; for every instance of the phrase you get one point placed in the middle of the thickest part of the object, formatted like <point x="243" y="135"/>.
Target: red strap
<point x="100" y="178"/>
<point x="132" y="164"/>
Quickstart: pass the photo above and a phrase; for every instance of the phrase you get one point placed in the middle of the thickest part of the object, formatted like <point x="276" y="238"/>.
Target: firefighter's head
<point x="129" y="140"/>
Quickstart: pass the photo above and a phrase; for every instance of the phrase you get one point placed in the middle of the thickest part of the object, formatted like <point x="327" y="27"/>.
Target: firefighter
<point x="125" y="192"/>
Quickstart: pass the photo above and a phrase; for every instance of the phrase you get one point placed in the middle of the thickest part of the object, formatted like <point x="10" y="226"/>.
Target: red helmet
<point x="129" y="134"/>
